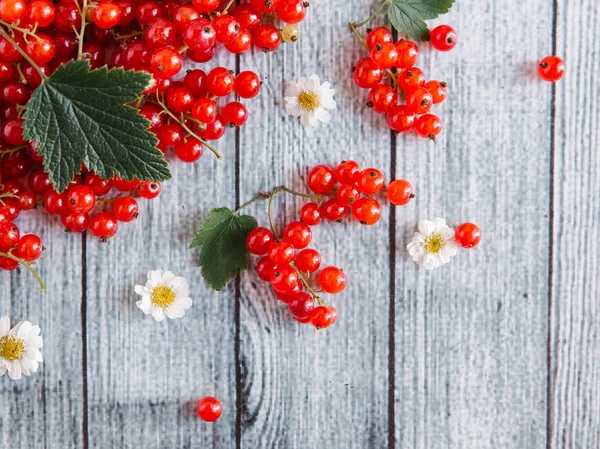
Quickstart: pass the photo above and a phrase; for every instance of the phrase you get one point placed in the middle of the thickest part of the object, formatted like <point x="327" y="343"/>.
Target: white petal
<point x="4" y="325"/>
<point x="145" y="306"/>
<point x="2" y="369"/>
<point x="34" y="366"/>
<point x="447" y="233"/>
<point x="295" y="110"/>
<point x="426" y="227"/>
<point x="174" y="312"/>
<point x="158" y="314"/>
<point x="142" y="290"/>
<point x="35" y="342"/>
<point x="450" y="249"/>
<point x="308" y="118"/>
<point x="440" y="225"/>
<point x="328" y="103"/>
<point x="154" y="277"/>
<point x="24" y="329"/>
<point x="14" y="371"/>
<point x="291" y="90"/>
<point x="323" y="115"/>
<point x="35" y="330"/>
<point x="183" y="303"/>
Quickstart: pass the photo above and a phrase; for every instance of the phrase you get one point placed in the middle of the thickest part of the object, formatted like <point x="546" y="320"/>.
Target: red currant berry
<point x="12" y="10"/>
<point x="366" y="211"/>
<point x="267" y="37"/>
<point x="166" y="62"/>
<point x="467" y="235"/>
<point x="189" y="149"/>
<point x="234" y="114"/>
<point x="551" y="68"/>
<point x="281" y="253"/>
<point x="149" y="189"/>
<point x="27" y="200"/>
<point x="286" y="297"/>
<point x="183" y="16"/>
<point x="180" y="99"/>
<point x="9" y="235"/>
<point x="106" y="14"/>
<point x="80" y="199"/>
<point x="39" y="182"/>
<point x="12" y="132"/>
<point x="220" y="82"/>
<point x="259" y="240"/>
<point x="227" y="28"/>
<point x="247" y="16"/>
<point x="334" y="210"/>
<point x="214" y="130"/>
<point x="40" y="13"/>
<point x="13" y="186"/>
<point x="323" y="316"/>
<point x="264" y="268"/>
<point x="411" y="79"/>
<point x="301" y="305"/>
<point x="382" y="98"/>
<point x="9" y="209"/>
<point x="204" y="110"/>
<point x="379" y="35"/>
<point x="127" y="8"/>
<point x="310" y="214"/>
<point x="200" y="35"/>
<point x="55" y="203"/>
<point x="419" y="100"/>
<point x="76" y="222"/>
<point x="126" y="209"/>
<point x="332" y="280"/>
<point x="242" y="43"/>
<point x="8" y="264"/>
<point x="400" y="192"/>
<point x="297" y="234"/>
<point x="320" y="179"/>
<point x="384" y="55"/>
<point x="15" y="165"/>
<point x="308" y="260"/>
<point x="29" y="247"/>
<point x="370" y="181"/>
<point x="209" y="408"/>
<point x="408" y="53"/>
<point x="292" y="11"/>
<point x="348" y="194"/>
<point x="347" y="172"/>
<point x="443" y="38"/>
<point x="154" y="114"/>
<point x="401" y="119"/>
<point x="429" y="126"/>
<point x="146" y="11"/>
<point x="103" y="225"/>
<point x="247" y="84"/>
<point x="438" y="90"/>
<point x="284" y="279"/>
<point x="206" y="5"/>
<point x="123" y="185"/>
<point x="99" y="186"/>
<point x="195" y="81"/>
<point x="264" y="5"/>
<point x="367" y="74"/>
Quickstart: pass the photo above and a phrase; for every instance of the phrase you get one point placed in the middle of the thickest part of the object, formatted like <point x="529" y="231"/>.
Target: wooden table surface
<point x="499" y="349"/>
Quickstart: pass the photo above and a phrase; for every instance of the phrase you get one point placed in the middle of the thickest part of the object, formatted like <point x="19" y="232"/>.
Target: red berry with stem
<point x="9" y="209"/>
<point x="80" y="199"/>
<point x="247" y="84"/>
<point x="166" y="62"/>
<point x="308" y="260"/>
<point x="348" y="194"/>
<point x="400" y="192"/>
<point x="13" y="186"/>
<point x="242" y="43"/>
<point x="76" y="222"/>
<point x="438" y="90"/>
<point x="247" y="16"/>
<point x="199" y="35"/>
<point x="160" y="32"/>
<point x="55" y="203"/>
<point x="419" y="100"/>
<point x="429" y="126"/>
<point x="443" y="38"/>
<point x="346" y="172"/>
<point x="298" y="234"/>
<point x="384" y="55"/>
<point x="259" y="240"/>
<point x="41" y="49"/>
<point x="149" y="189"/>
<point x="214" y="130"/>
<point x="551" y="68"/>
<point x="366" y="211"/>
<point x="332" y="280"/>
<point x="286" y="297"/>
<point x="267" y="37"/>
<point x="226" y="27"/>
<point x="320" y="179"/>
<point x="408" y="53"/>
<point x="323" y="316"/>
<point x="234" y="114"/>
<point x="40" y="13"/>
<point x="180" y="99"/>
<point x="8" y="264"/>
<point x="411" y="79"/>
<point x="29" y="247"/>
<point x="292" y="11"/>
<point x="311" y="214"/>
<point x="126" y="209"/>
<point x="264" y="268"/>
<point x="204" y="110"/>
<point x="106" y="14"/>
<point x="209" y="409"/>
<point x="467" y="235"/>
<point x="367" y="74"/>
<point x="220" y="82"/>
<point x="189" y="149"/>
<point x="379" y="35"/>
<point x="401" y="119"/>
<point x="284" y="279"/>
<point x="382" y="98"/>
<point x="103" y="225"/>
<point x="301" y="305"/>
<point x="334" y="210"/>
<point x="9" y="235"/>
<point x="281" y="253"/>
<point x="370" y="181"/>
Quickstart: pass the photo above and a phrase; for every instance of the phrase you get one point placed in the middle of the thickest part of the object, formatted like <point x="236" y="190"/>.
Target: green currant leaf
<point x="222" y="243"/>
<point x="408" y="16"/>
<point x="80" y="116"/>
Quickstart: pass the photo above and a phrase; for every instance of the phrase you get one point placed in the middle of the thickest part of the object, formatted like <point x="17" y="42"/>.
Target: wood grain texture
<point x="46" y="410"/>
<point x="471" y="336"/>
<point x="575" y="312"/>
<point x="303" y="388"/>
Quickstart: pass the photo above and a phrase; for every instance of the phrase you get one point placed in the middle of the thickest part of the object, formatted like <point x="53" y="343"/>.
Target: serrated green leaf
<point x="408" y="16"/>
<point x="222" y="243"/>
<point x="80" y="116"/>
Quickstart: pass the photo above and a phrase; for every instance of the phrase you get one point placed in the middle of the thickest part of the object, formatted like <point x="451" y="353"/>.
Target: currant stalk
<point x="26" y="265"/>
<point x="23" y="53"/>
<point x="81" y="33"/>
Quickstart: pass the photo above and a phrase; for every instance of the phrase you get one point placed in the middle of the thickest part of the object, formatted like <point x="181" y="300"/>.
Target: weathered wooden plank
<point x="46" y="410"/>
<point x="145" y="378"/>
<point x="304" y="388"/>
<point x="471" y="336"/>
<point x="575" y="309"/>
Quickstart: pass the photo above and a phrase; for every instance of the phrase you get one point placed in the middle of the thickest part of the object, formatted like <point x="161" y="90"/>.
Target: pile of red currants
<point x="288" y="264"/>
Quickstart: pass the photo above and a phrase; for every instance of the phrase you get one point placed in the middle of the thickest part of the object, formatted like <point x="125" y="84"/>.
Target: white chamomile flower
<point x="433" y="245"/>
<point x="19" y="348"/>
<point x="164" y="295"/>
<point x="308" y="99"/>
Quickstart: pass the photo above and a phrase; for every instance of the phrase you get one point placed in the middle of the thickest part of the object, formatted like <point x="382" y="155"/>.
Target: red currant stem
<point x="26" y="265"/>
<point x="377" y="11"/>
<point x="24" y="31"/>
<point x="12" y="150"/>
<point x="303" y="195"/>
<point x="122" y="37"/>
<point x="21" y="76"/>
<point x="231" y="2"/>
<point x="270" y="212"/>
<point x="260" y="196"/>
<point x="184" y="126"/>
<point x="353" y="28"/>
<point x="22" y="52"/>
<point x="311" y="290"/>
<point x="7" y="195"/>
<point x="81" y="33"/>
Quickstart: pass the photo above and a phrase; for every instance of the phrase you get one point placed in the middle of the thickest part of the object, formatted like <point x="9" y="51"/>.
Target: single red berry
<point x="9" y="235"/>
<point x="259" y="240"/>
<point x="123" y="185"/>
<point x="334" y="210"/>
<point x="154" y="114"/>
<point x="226" y="27"/>
<point x="384" y="55"/>
<point x="411" y="78"/>
<point x="126" y="209"/>
<point x="400" y="192"/>
<point x="292" y="11"/>
<point x="323" y="316"/>
<point x="209" y="409"/>
<point x="467" y="235"/>
<point x="55" y="203"/>
<point x="301" y="305"/>
<point x="39" y="182"/>
<point x="206" y="5"/>
<point x="284" y="278"/>
<point x="308" y="260"/>
<point x="401" y="119"/>
<point x="12" y="132"/>
<point x="149" y="189"/>
<point x="15" y="165"/>
<point x="265" y="5"/>
<point x="9" y="209"/>
<point x="106" y="14"/>
<point x="298" y="234"/>
<point x="370" y="181"/>
<point x="408" y="53"/>
<point x="234" y="114"/>
<point x="347" y="172"/>
<point x="367" y="74"/>
<point x="551" y="68"/>
<point x="247" y="16"/>
<point x="12" y="10"/>
<point x="443" y="38"/>
<point x="281" y="253"/>
<point x="189" y="149"/>
<point x="182" y="16"/>
<point x="75" y="222"/>
<point x="419" y="100"/>
<point x="29" y="247"/>
<point x="320" y="179"/>
<point x="103" y="225"/>
<point x="332" y="280"/>
<point x="8" y="264"/>
<point x="311" y="214"/>
<point x="348" y="194"/>
<point x="127" y="8"/>
<point x="27" y="200"/>
<point x="166" y="62"/>
<point x="382" y="98"/>
<point x="267" y="37"/>
<point x="214" y="130"/>
<point x="40" y="13"/>
<point x="366" y="211"/>
<point x="180" y="99"/>
<point x="247" y="84"/>
<point x="286" y="297"/>
<point x="80" y="199"/>
<point x="438" y="90"/>
<point x="199" y="35"/>
<point x="147" y="10"/>
<point x="13" y="186"/>
<point x="204" y="110"/>
<point x="429" y="126"/>
<point x="220" y="82"/>
<point x="242" y="43"/>
<point x="264" y="268"/>
<point x="41" y="49"/>
<point x="379" y="35"/>
<point x="195" y="81"/>
<point x="99" y="186"/>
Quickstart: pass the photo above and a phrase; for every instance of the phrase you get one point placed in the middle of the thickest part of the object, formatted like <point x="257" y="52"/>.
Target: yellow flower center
<point x="163" y="296"/>
<point x="309" y="100"/>
<point x="11" y="348"/>
<point x="434" y="243"/>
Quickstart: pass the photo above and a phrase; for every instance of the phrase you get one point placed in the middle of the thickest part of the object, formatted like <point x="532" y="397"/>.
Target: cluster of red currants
<point x="409" y="97"/>
<point x="288" y="263"/>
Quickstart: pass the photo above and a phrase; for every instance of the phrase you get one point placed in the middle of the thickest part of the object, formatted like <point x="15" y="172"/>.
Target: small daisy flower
<point x="20" y="346"/>
<point x="164" y="295"/>
<point x="308" y="99"/>
<point x="433" y="245"/>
